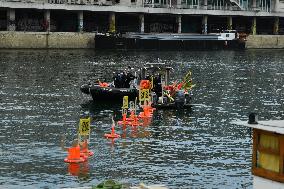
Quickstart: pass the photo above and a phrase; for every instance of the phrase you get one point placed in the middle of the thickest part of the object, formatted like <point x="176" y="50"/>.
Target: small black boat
<point x="111" y="94"/>
<point x="161" y="97"/>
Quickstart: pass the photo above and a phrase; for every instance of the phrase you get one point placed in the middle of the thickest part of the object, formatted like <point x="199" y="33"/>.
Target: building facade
<point x="159" y="16"/>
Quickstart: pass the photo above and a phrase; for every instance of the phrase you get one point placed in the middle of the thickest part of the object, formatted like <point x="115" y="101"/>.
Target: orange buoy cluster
<point x="142" y="119"/>
<point x="76" y="154"/>
<point x="79" y="151"/>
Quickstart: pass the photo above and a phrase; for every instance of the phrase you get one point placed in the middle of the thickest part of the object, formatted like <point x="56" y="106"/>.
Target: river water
<point x="40" y="101"/>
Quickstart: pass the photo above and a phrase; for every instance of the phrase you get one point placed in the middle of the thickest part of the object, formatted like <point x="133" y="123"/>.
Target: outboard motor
<point x="179" y="99"/>
<point x="187" y="98"/>
<point x="85" y="88"/>
<point x="154" y="98"/>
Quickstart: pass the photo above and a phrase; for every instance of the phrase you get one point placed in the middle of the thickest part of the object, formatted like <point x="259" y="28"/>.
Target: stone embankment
<point x="75" y="40"/>
<point x="265" y="42"/>
<point x="45" y="40"/>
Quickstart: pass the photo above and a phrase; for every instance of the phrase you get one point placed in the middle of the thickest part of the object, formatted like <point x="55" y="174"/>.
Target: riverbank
<point x="265" y="42"/>
<point x="46" y="40"/>
<point x="75" y="40"/>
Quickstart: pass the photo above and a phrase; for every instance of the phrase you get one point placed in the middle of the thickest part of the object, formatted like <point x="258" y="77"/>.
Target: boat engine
<point x="85" y="89"/>
<point x="179" y="99"/>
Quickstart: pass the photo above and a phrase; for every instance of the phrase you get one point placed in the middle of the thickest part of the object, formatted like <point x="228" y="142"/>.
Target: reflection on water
<point x="40" y="100"/>
<point x="80" y="170"/>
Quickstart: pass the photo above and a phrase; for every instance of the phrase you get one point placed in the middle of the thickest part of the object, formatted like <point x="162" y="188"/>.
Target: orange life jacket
<point x="145" y="84"/>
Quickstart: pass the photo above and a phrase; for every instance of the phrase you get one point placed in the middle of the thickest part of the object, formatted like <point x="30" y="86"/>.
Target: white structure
<point x="268" y="153"/>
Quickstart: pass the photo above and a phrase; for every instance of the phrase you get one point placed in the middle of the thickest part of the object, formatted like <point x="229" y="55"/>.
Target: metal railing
<point x="235" y="4"/>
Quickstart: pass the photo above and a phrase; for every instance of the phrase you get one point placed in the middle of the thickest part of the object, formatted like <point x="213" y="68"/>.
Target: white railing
<point x="238" y="3"/>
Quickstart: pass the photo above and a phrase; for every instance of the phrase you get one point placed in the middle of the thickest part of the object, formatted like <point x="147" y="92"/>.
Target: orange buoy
<point x="112" y="135"/>
<point x="135" y="121"/>
<point x="74" y="155"/>
<point x="146" y="112"/>
<point x="146" y="121"/>
<point x="124" y="120"/>
<point x="85" y="151"/>
<point x="131" y="117"/>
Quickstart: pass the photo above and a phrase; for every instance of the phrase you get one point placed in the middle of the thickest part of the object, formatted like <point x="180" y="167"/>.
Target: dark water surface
<point x="40" y="101"/>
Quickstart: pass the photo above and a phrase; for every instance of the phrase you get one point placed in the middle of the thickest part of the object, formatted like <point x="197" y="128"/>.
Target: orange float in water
<point x="135" y="121"/>
<point x="146" y="121"/>
<point x="147" y="112"/>
<point x="74" y="155"/>
<point x="124" y="120"/>
<point x="132" y="116"/>
<point x="85" y="151"/>
<point x="112" y="134"/>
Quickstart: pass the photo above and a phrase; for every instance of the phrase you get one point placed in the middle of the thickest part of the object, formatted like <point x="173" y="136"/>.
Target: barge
<point x="228" y="39"/>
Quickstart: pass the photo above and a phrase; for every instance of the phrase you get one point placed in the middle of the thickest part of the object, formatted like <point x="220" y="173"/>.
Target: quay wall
<point x="265" y="42"/>
<point x="75" y="40"/>
<point x="46" y="40"/>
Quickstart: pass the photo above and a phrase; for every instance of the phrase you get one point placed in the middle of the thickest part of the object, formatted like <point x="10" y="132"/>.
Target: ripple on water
<point x="40" y="101"/>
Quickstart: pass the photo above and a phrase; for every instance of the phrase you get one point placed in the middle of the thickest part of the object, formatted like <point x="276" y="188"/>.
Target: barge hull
<point x="115" y="42"/>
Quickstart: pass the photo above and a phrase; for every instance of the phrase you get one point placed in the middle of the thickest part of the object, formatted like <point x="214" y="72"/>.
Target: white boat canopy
<point x="276" y="126"/>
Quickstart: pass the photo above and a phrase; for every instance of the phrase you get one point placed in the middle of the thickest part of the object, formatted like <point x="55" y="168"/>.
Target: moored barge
<point x="228" y="39"/>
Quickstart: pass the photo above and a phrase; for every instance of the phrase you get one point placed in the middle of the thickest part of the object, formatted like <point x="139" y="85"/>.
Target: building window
<point x="267" y="156"/>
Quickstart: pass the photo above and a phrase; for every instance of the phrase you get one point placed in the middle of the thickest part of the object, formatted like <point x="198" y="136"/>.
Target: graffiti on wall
<point x="3" y="24"/>
<point x="162" y="27"/>
<point x="30" y="25"/>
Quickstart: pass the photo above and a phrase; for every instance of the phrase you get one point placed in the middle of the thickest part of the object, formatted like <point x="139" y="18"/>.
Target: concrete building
<point x="254" y="17"/>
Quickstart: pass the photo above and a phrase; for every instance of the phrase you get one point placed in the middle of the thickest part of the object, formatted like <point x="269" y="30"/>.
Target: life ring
<point x="79" y="160"/>
<point x="86" y="153"/>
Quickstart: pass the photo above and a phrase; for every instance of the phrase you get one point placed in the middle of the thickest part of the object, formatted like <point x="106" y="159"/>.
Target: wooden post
<point x="11" y="20"/>
<point x="112" y="22"/>
<point x="253" y="26"/>
<point x="229" y="23"/>
<point x="276" y="26"/>
<point x="80" y="21"/>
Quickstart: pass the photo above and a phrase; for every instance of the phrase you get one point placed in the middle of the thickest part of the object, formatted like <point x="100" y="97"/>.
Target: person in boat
<point x="122" y="80"/>
<point x="118" y="80"/>
<point x="129" y="77"/>
<point x="157" y="85"/>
